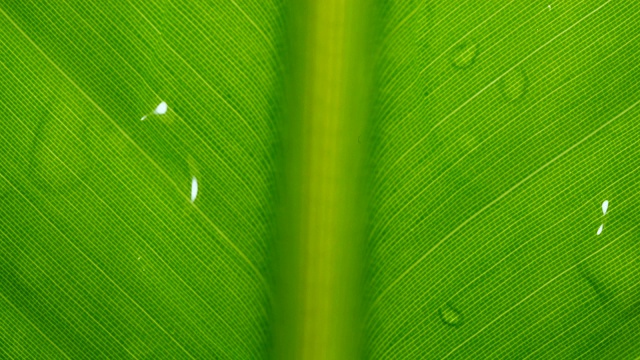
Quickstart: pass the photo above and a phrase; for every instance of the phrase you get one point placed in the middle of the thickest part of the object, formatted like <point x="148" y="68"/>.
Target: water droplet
<point x="161" y="109"/>
<point x="144" y="117"/>
<point x="194" y="188"/>
<point x="464" y="55"/>
<point x="514" y="84"/>
<point x="600" y="229"/>
<point x="605" y="206"/>
<point x="450" y="315"/>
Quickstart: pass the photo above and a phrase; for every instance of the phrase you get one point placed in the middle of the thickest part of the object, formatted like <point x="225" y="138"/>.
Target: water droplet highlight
<point x="161" y="109"/>
<point x="463" y="55"/>
<point x="600" y="229"/>
<point x="514" y="84"/>
<point x="605" y="206"/>
<point x="450" y="315"/>
<point x="194" y="188"/>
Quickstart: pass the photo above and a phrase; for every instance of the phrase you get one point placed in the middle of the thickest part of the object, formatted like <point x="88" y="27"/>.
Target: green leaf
<point x="501" y="127"/>
<point x="103" y="253"/>
<point x="330" y="179"/>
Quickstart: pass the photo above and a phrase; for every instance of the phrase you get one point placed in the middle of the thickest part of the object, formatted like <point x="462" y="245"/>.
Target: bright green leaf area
<point x="496" y="131"/>
<point x="103" y="254"/>
<point x="501" y="127"/>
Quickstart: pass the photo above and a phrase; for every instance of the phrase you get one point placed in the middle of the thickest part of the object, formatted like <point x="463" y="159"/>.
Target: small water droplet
<point x="600" y="229"/>
<point x="514" y="84"/>
<point x="450" y="315"/>
<point x="194" y="188"/>
<point x="161" y="109"/>
<point x="464" y="54"/>
<point x="605" y="206"/>
<point x="144" y="117"/>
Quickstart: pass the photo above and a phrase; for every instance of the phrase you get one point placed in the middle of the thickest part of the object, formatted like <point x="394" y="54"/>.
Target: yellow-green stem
<point x="320" y="248"/>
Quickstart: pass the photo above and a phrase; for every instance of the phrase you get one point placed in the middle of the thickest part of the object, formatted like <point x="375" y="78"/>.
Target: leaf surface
<point x="103" y="252"/>
<point x="501" y="127"/>
<point x="143" y="213"/>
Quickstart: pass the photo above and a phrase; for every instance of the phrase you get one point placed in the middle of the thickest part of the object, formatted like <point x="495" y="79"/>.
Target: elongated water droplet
<point x="600" y="229"/>
<point x="463" y="55"/>
<point x="144" y="117"/>
<point x="605" y="206"/>
<point x="161" y="109"/>
<point x="513" y="84"/>
<point x="194" y="188"/>
<point x="450" y="315"/>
